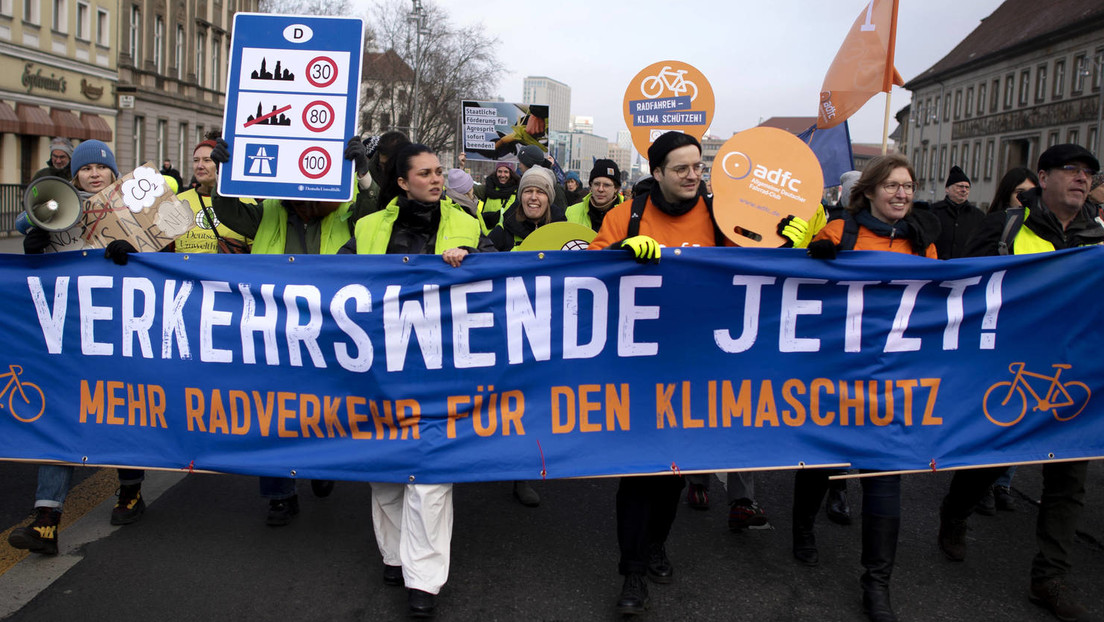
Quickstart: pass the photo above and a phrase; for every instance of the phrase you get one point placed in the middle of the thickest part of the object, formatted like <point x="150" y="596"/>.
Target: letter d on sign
<point x="298" y="33"/>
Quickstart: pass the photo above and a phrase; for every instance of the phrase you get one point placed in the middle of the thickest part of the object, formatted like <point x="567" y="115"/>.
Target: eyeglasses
<point x="1073" y="169"/>
<point x="683" y="170"/>
<point x="892" y="186"/>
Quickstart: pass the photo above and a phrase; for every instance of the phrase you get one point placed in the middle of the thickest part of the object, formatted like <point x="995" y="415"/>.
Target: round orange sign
<point x="667" y="96"/>
<point x="759" y="177"/>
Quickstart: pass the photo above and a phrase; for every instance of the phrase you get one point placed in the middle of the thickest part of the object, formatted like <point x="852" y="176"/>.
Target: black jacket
<point x="956" y="225"/>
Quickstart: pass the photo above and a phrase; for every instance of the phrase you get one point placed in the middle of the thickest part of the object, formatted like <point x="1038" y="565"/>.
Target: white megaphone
<point x="52" y="204"/>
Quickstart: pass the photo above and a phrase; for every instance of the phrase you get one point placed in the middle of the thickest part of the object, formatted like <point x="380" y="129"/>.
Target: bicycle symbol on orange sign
<point x="668" y="80"/>
<point x="1009" y="402"/>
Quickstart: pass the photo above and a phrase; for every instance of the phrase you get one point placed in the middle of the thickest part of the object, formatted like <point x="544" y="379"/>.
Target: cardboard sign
<point x="291" y="104"/>
<point x="665" y="96"/>
<point x="558" y="236"/>
<point x="759" y="177"/>
<point x="496" y="130"/>
<point x="139" y="208"/>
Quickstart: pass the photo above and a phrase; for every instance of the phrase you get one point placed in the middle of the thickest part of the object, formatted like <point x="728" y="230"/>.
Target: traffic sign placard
<point x="291" y="103"/>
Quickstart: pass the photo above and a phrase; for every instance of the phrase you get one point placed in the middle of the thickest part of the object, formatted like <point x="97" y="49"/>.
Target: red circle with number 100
<point x="314" y="163"/>
<point x="321" y="71"/>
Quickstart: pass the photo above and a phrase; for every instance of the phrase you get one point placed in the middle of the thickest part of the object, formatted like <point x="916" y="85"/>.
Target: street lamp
<point x="418" y="18"/>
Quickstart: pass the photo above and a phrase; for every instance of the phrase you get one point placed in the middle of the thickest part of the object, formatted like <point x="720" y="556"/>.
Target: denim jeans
<point x="54" y="481"/>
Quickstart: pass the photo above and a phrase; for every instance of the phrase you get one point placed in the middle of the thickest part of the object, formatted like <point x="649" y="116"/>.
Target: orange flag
<point x="863" y="65"/>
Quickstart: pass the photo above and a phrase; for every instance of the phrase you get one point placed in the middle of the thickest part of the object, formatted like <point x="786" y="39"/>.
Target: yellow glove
<point x="793" y="229"/>
<point x="643" y="248"/>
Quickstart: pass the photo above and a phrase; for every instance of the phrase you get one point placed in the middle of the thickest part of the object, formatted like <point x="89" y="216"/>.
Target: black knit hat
<point x="1061" y="155"/>
<point x="605" y="168"/>
<point x="956" y="176"/>
<point x="666" y="143"/>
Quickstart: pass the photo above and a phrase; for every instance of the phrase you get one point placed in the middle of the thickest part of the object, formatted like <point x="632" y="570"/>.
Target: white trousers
<point x="413" y="525"/>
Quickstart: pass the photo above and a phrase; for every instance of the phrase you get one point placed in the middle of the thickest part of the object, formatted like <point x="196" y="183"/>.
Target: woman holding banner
<point x="94" y="169"/>
<point x="879" y="217"/>
<point x="413" y="522"/>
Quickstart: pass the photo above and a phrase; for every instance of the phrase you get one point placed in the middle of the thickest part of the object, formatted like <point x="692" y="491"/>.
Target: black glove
<point x="822" y="249"/>
<point x="221" y="152"/>
<point x="118" y="250"/>
<point x="355" y="151"/>
<point x="36" y="241"/>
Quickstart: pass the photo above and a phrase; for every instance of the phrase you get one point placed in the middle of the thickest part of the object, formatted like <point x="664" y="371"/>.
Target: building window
<point x="1040" y="83"/>
<point x="923" y="163"/>
<point x="1009" y="90"/>
<point x="30" y="11"/>
<point x="162" y="141"/>
<point x="974" y="168"/>
<point x="981" y="99"/>
<point x="1052" y="139"/>
<point x="947" y="108"/>
<point x="139" y="125"/>
<point x="942" y="159"/>
<point x="958" y="105"/>
<point x="158" y="43"/>
<point x="84" y="21"/>
<point x="989" y="160"/>
<point x="1080" y="70"/>
<point x="1097" y="69"/>
<point x="1059" y="78"/>
<point x="1072" y="136"/>
<point x="103" y="27"/>
<point x="199" y="135"/>
<point x="954" y="155"/>
<point x="201" y="58"/>
<point x="994" y="96"/>
<point x="932" y="173"/>
<point x="135" y="30"/>
<point x="6" y="7"/>
<point x="1090" y="143"/>
<point x="179" y="56"/>
<point x="917" y="162"/>
<point x="216" y="52"/>
<point x="965" y="156"/>
<point x="933" y="110"/>
<point x="970" y="101"/>
<point x="182" y="147"/>
<point x="1025" y="86"/>
<point x="61" y="16"/>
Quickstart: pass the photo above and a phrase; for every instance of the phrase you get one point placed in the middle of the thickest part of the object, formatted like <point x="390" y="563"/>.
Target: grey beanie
<point x="61" y="144"/>
<point x="541" y="178"/>
<point x="847" y="180"/>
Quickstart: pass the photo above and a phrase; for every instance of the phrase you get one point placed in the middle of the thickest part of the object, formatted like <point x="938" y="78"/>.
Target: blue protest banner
<point x="291" y="103"/>
<point x="387" y="368"/>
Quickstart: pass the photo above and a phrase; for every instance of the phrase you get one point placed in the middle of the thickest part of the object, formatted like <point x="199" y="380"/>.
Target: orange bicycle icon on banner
<point x="1005" y="403"/>
<point x="31" y="399"/>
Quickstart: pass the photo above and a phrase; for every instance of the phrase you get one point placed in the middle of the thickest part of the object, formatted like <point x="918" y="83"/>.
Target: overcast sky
<point x="763" y="59"/>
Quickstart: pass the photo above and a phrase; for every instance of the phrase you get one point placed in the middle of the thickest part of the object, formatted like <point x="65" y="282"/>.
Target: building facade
<point x="172" y="77"/>
<point x="583" y="149"/>
<point x="1028" y="77"/>
<point x="57" y="78"/>
<point x="556" y="94"/>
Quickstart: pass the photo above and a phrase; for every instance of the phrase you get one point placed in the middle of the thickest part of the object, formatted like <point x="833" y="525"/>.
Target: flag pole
<point x="890" y="69"/>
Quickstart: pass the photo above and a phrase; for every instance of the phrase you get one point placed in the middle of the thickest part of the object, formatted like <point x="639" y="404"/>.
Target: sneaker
<point x="280" y="511"/>
<point x="1003" y="497"/>
<point x="634" y="596"/>
<point x="322" y="487"/>
<point x="130" y="505"/>
<point x="41" y="535"/>
<point x="698" y="496"/>
<point x="952" y="537"/>
<point x="660" y="569"/>
<point x="987" y="506"/>
<point x="525" y="494"/>
<point x="1055" y="596"/>
<point x="745" y="514"/>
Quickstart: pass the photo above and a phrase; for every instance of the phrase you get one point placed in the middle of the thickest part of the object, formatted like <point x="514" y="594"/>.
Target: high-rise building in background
<point x="556" y="94"/>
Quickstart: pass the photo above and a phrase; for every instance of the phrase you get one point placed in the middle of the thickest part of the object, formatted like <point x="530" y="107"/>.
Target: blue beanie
<point x="93" y="152"/>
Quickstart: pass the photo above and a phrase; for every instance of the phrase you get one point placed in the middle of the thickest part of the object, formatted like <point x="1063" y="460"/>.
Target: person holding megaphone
<point x="94" y="169"/>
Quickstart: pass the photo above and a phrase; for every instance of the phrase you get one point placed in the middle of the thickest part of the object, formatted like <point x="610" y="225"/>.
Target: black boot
<point x="879" y="548"/>
<point x="836" y="507"/>
<point x="809" y="489"/>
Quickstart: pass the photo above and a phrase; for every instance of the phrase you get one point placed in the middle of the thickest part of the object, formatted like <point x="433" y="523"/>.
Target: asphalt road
<point x="202" y="552"/>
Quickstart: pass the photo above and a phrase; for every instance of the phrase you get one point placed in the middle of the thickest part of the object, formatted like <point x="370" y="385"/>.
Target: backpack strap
<point x="850" y="232"/>
<point x="1013" y="220"/>
<point x="636" y="213"/>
